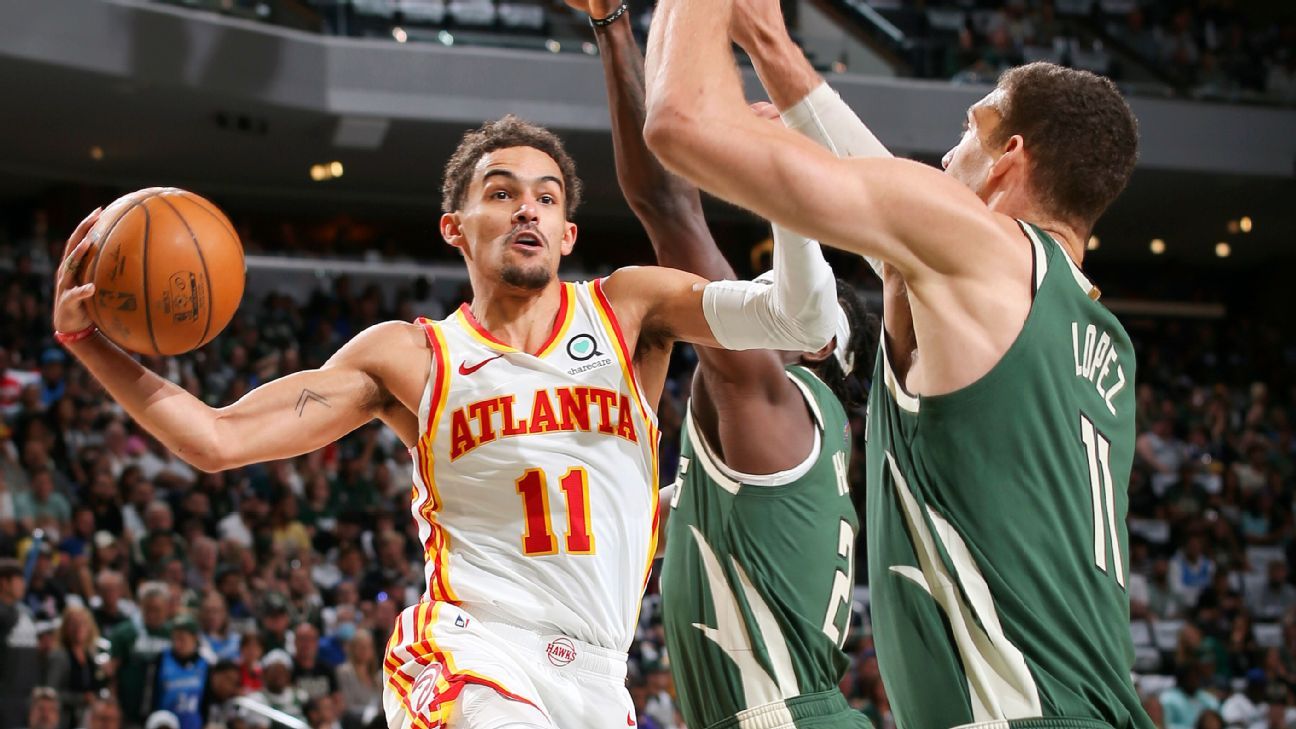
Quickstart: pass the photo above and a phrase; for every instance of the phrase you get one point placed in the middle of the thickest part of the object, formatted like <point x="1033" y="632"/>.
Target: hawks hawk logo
<point x="424" y="689"/>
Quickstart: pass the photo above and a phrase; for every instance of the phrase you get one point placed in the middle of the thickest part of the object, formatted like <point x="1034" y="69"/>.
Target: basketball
<point x="168" y="271"/>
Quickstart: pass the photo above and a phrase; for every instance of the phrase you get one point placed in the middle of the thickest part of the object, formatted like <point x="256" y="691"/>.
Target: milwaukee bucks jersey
<point x="757" y="581"/>
<point x="996" y="525"/>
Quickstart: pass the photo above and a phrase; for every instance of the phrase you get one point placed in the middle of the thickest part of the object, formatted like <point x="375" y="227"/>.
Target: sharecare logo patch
<point x="560" y="651"/>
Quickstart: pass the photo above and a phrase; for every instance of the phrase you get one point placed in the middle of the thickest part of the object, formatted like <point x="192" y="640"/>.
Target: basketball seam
<point x="94" y="266"/>
<point x="148" y="303"/>
<point x="211" y="290"/>
<point x="224" y="222"/>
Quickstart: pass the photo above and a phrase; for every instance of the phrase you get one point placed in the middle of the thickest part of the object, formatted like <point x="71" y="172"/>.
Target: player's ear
<point x="1014" y="154"/>
<point x="452" y="231"/>
<point x="568" y="239"/>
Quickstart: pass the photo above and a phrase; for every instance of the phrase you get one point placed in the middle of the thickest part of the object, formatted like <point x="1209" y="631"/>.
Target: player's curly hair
<point x="509" y="131"/>
<point x="865" y="328"/>
<point x="1081" y="135"/>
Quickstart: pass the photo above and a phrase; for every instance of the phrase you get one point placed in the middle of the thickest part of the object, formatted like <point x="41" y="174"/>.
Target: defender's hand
<point x="70" y="313"/>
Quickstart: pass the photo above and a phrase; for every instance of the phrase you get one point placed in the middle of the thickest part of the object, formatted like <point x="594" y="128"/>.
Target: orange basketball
<point x="168" y="271"/>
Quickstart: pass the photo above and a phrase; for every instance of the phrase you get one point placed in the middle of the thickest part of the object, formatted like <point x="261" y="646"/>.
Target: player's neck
<point x="1015" y="202"/>
<point x="520" y="318"/>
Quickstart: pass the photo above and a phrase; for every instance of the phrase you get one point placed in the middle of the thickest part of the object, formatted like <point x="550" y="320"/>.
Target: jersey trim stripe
<point x="613" y="328"/>
<point x="436" y="550"/>
<point x="561" y="321"/>
<point x="566" y="312"/>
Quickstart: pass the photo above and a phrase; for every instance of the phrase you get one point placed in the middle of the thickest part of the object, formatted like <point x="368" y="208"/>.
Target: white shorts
<point x="440" y="659"/>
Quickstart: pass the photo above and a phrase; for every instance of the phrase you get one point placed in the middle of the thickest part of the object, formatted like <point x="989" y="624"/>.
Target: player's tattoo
<point x="307" y="396"/>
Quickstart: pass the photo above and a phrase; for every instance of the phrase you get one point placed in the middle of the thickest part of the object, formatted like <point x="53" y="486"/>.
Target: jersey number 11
<point x="1098" y="450"/>
<point x="539" y="538"/>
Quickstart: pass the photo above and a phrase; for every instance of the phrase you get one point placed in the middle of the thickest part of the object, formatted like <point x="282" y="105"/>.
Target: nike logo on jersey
<point x="630" y="719"/>
<point x="464" y="369"/>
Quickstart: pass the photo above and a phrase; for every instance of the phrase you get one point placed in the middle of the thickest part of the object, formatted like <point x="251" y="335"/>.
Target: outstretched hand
<point x="70" y="313"/>
<point x="594" y="8"/>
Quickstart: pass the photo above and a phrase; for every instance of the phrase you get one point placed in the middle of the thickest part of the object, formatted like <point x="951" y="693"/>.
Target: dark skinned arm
<point x="735" y="392"/>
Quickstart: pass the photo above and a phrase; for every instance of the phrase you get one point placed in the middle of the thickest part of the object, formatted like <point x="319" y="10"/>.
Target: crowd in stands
<point x="136" y="591"/>
<point x="1204" y="48"/>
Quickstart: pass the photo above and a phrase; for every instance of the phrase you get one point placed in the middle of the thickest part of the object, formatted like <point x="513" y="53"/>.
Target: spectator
<point x="43" y="711"/>
<point x="359" y="680"/>
<point x="659" y="703"/>
<point x="18" y="646"/>
<point x="223" y="686"/>
<point x="1186" y="700"/>
<point x="1248" y="708"/>
<point x="103" y="714"/>
<point x="1191" y="570"/>
<point x="278" y="692"/>
<point x="41" y="505"/>
<point x="181" y="675"/>
<point x="1163" y="601"/>
<point x="78" y="678"/>
<point x="251" y="651"/>
<point x="219" y="641"/>
<point x="321" y="713"/>
<point x="276" y="623"/>
<point x="310" y="675"/>
<point x="109" y="604"/>
<point x="134" y="649"/>
<point x="1275" y="596"/>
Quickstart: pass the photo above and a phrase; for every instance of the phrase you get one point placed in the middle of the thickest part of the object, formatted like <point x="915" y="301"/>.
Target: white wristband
<point x="823" y="117"/>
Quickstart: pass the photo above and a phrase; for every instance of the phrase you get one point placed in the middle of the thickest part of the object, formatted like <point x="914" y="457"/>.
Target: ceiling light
<point x="319" y="173"/>
<point x="335" y="169"/>
<point x="1245" y="223"/>
<point x="445" y="38"/>
<point x="1093" y="243"/>
<point x="1233" y="227"/>
<point x="1157" y="247"/>
<point x="96" y="153"/>
<point x="553" y="45"/>
<point x="1223" y="249"/>
<point x="399" y="34"/>
<point x="589" y="48"/>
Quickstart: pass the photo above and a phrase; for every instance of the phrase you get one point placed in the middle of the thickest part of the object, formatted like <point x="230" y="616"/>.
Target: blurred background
<point x="321" y="127"/>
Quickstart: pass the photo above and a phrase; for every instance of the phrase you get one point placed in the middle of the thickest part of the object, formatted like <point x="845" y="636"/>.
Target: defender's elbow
<point x="668" y="130"/>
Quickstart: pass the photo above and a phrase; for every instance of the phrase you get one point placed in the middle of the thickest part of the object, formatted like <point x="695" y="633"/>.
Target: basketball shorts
<point x="445" y="668"/>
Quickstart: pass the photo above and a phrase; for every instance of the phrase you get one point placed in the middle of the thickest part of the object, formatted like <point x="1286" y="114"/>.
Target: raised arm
<point x="283" y="418"/>
<point x="668" y="206"/>
<point x="902" y="212"/>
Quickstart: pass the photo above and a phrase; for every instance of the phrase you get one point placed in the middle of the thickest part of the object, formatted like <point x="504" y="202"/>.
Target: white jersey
<point x="535" y="477"/>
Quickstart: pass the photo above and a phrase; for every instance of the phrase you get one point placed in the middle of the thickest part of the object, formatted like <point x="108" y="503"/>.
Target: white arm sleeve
<point x="797" y="313"/>
<point x="823" y="117"/>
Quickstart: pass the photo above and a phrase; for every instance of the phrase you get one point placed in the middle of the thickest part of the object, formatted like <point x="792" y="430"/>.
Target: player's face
<point x="513" y="226"/>
<point x="971" y="160"/>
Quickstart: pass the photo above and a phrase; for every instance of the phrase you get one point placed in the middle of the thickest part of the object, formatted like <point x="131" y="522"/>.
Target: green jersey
<point x="757" y="581"/>
<point x="996" y="525"/>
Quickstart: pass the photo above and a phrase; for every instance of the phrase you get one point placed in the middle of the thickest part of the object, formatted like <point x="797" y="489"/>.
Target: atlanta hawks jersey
<point x="535" y="483"/>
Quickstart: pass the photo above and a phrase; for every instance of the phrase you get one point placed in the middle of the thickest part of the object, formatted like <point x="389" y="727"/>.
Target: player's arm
<point x="670" y="210"/>
<point x="283" y="418"/>
<point x="668" y="206"/>
<point x="902" y="212"/>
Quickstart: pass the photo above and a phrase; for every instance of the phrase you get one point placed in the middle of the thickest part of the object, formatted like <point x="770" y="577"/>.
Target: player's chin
<point x="531" y="275"/>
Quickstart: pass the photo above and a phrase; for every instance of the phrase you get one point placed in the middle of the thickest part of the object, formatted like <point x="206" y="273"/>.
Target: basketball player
<point x="761" y="522"/>
<point x="1001" y="439"/>
<point x="529" y="414"/>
